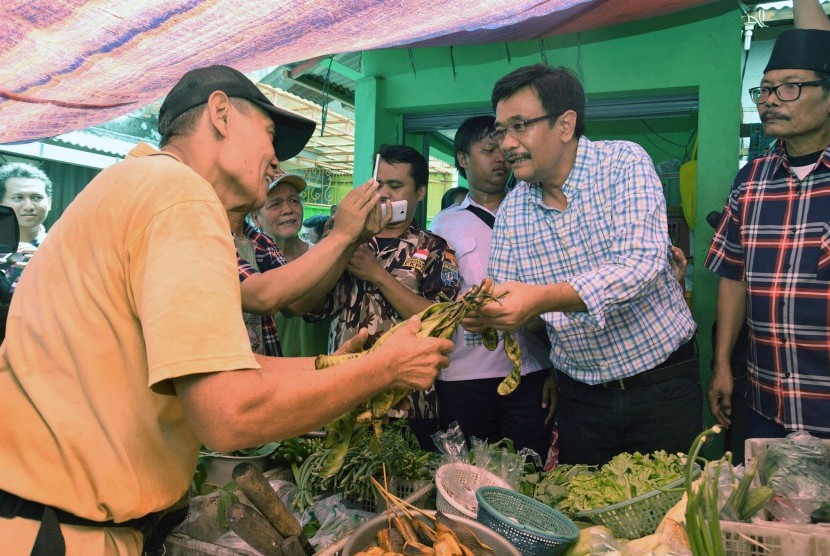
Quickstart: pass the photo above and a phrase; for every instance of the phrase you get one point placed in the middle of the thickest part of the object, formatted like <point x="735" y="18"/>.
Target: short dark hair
<point x="448" y="199"/>
<point x="403" y="154"/>
<point x="558" y="89"/>
<point x="186" y="122"/>
<point x="316" y="223"/>
<point x="23" y="170"/>
<point x="472" y="130"/>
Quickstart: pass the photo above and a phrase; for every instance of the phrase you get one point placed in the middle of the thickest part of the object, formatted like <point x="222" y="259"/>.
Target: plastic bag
<point x="795" y="449"/>
<point x="451" y="444"/>
<point x="728" y="478"/>
<point x="335" y="519"/>
<point x="799" y="492"/>
<point x="798" y="470"/>
<point x="594" y="541"/>
<point x="502" y="459"/>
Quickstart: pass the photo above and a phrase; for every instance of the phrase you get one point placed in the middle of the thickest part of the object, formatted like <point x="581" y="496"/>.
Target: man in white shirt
<point x="467" y="388"/>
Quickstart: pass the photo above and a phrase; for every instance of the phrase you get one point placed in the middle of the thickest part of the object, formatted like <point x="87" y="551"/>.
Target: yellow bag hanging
<point x="688" y="187"/>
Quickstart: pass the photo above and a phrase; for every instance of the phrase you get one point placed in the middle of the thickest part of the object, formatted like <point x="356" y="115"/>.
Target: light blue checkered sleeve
<point x="501" y="266"/>
<point x="638" y="239"/>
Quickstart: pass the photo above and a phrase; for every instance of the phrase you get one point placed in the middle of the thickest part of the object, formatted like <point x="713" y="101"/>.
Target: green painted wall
<point x="694" y="51"/>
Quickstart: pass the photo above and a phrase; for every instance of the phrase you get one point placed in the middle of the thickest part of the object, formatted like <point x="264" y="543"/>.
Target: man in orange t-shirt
<point x="126" y="348"/>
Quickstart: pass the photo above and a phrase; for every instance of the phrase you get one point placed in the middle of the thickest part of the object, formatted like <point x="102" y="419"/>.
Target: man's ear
<point x="422" y="190"/>
<point x="218" y="109"/>
<point x="461" y="157"/>
<point x="567" y="123"/>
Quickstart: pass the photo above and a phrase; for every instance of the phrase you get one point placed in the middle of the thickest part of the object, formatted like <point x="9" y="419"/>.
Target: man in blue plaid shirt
<point x="772" y="251"/>
<point x="582" y="241"/>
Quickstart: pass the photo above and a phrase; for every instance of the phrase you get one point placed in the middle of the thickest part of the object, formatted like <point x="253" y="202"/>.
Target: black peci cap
<point x="292" y="131"/>
<point x="807" y="49"/>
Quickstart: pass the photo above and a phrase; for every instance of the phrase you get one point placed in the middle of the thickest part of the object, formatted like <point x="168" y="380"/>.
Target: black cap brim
<point x="293" y="130"/>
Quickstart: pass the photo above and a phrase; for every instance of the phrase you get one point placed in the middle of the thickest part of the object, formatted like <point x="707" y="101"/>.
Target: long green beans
<point x="439" y="320"/>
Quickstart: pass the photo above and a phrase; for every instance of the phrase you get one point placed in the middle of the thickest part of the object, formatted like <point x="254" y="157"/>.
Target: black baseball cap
<point x="292" y="130"/>
<point x="807" y="49"/>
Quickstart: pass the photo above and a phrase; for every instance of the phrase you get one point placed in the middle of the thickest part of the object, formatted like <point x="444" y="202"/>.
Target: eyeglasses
<point x="517" y="127"/>
<point x="786" y="92"/>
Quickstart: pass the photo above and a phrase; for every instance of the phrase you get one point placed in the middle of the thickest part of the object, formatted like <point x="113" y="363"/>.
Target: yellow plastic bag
<point x="688" y="188"/>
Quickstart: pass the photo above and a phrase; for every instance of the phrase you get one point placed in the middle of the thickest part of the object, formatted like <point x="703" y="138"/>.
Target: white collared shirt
<point x="470" y="237"/>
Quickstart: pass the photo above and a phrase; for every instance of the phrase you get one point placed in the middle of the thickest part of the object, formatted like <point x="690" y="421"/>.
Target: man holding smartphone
<point x="396" y="274"/>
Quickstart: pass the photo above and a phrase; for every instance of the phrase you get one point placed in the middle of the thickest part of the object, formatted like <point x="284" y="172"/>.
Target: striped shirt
<point x="611" y="245"/>
<point x="775" y="236"/>
<point x="268" y="256"/>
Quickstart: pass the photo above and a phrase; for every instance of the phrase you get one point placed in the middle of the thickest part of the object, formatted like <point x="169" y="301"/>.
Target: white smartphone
<point x="398" y="211"/>
<point x="375" y="171"/>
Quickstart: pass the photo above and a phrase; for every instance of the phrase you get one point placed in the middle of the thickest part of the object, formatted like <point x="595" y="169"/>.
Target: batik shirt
<point x="421" y="261"/>
<point x="611" y="245"/>
<point x="775" y="236"/>
<point x="268" y="256"/>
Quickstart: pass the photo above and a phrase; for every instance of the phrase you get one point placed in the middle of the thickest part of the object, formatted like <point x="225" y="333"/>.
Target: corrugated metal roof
<point x="774" y="13"/>
<point x="97" y="141"/>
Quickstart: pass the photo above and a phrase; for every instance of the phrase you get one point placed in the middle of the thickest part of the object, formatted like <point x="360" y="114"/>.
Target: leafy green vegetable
<point x="626" y="476"/>
<point x="400" y="451"/>
<point x="551" y="488"/>
<point x="397" y="448"/>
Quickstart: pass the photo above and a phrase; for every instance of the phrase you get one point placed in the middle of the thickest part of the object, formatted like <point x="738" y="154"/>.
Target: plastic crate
<point x="772" y="539"/>
<point x="420" y="494"/>
<point x="639" y="516"/>
<point x="401" y="488"/>
<point x="777" y="538"/>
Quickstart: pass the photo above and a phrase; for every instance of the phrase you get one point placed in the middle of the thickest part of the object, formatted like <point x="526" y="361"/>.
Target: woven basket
<point x="641" y="515"/>
<point x="456" y="485"/>
<point x="533" y="527"/>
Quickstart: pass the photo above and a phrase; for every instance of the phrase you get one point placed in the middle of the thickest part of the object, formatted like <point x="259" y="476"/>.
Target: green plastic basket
<point x="534" y="528"/>
<point x="640" y="515"/>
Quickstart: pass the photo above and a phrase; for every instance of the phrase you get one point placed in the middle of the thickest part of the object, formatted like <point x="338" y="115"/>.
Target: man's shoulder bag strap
<point x="485" y="216"/>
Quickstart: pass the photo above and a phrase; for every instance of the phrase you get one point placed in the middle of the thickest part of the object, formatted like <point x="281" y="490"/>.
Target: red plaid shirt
<point x="775" y="236"/>
<point x="268" y="256"/>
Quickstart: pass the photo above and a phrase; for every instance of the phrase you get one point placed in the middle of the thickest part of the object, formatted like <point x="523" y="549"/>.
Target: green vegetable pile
<point x="625" y="477"/>
<point x="352" y="480"/>
<point x="577" y="488"/>
<point x="551" y="488"/>
<point x="293" y="450"/>
<point x="404" y="459"/>
<point x="397" y="449"/>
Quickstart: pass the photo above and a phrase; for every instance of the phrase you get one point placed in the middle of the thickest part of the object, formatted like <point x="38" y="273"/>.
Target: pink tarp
<point x="69" y="64"/>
